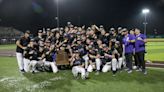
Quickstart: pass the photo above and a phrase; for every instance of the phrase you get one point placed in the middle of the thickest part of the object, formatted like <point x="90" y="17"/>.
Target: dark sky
<point x="35" y="14"/>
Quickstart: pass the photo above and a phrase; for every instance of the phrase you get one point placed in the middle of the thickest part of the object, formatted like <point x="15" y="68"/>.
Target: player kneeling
<point x="110" y="61"/>
<point x="49" y="53"/>
<point x="30" y="57"/>
<point x="77" y="64"/>
<point x="95" y="61"/>
<point x="36" y="64"/>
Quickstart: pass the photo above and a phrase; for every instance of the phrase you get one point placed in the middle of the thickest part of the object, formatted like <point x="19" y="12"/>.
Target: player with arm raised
<point x="49" y="51"/>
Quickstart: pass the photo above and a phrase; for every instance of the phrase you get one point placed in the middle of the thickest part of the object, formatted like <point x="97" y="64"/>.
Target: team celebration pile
<point x="89" y="49"/>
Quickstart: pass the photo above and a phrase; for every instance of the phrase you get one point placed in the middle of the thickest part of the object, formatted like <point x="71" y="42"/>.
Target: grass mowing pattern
<point x="8" y="47"/>
<point x="155" y="51"/>
<point x="12" y="81"/>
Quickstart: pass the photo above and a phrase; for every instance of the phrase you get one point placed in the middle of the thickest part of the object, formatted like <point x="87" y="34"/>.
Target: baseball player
<point x="95" y="62"/>
<point x="21" y="45"/>
<point x="30" y="57"/>
<point x="48" y="55"/>
<point x="118" y="54"/>
<point x="83" y="53"/>
<point x="77" y="64"/>
<point x="111" y="61"/>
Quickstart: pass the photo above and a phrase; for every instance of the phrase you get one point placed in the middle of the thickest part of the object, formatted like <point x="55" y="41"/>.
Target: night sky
<point x="36" y="14"/>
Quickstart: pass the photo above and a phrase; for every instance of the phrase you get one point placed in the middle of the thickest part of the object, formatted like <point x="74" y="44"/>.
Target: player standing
<point x="140" y="50"/>
<point x="128" y="45"/>
<point x="21" y="45"/>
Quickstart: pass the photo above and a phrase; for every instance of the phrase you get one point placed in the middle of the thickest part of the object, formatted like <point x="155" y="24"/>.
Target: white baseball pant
<point x="86" y="58"/>
<point x="78" y="69"/>
<point x="114" y="64"/>
<point x="33" y="65"/>
<point x="19" y="57"/>
<point x="107" y="67"/>
<point x="98" y="65"/>
<point x="26" y="64"/>
<point x="120" y="63"/>
<point x="52" y="65"/>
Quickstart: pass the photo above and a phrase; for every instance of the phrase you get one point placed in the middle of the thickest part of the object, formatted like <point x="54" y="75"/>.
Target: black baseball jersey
<point x="105" y="39"/>
<point x="101" y="51"/>
<point x="26" y="53"/>
<point x="24" y="42"/>
<point x="109" y="52"/>
<point x="120" y="38"/>
<point x="51" y="39"/>
<point x="40" y="53"/>
<point x="82" y="50"/>
<point x="92" y="52"/>
<point x="49" y="56"/>
<point x="78" y="62"/>
<point x="37" y="39"/>
<point x="31" y="53"/>
<point x="120" y="50"/>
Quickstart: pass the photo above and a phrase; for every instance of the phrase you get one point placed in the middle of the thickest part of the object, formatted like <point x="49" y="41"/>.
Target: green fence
<point x="155" y="36"/>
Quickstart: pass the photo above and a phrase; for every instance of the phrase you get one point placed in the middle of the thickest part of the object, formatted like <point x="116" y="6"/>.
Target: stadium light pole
<point x="145" y="12"/>
<point x="57" y="14"/>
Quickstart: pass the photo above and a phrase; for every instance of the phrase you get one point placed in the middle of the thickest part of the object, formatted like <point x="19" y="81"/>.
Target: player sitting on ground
<point x="77" y="64"/>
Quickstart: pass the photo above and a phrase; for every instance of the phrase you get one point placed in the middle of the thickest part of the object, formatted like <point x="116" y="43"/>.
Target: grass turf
<point x="155" y="51"/>
<point x="8" y="47"/>
<point x="13" y="81"/>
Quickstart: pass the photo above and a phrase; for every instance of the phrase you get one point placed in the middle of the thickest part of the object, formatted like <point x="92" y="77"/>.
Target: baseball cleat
<point x="129" y="71"/>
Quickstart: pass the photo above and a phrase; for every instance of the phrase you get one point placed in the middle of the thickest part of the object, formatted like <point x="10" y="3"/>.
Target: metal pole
<point x="57" y="12"/>
<point x="145" y="24"/>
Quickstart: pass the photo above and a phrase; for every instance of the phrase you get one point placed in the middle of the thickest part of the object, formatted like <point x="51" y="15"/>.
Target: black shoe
<point x="22" y="71"/>
<point x="33" y="72"/>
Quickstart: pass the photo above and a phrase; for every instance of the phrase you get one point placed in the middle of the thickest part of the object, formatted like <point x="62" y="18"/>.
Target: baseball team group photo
<point x="50" y="46"/>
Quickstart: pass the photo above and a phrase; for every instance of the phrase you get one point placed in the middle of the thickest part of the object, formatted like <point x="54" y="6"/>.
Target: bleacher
<point x="8" y="35"/>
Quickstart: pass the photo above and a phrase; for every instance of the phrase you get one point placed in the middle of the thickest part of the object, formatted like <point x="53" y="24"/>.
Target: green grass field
<point x="155" y="51"/>
<point x="13" y="81"/>
<point x="8" y="47"/>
